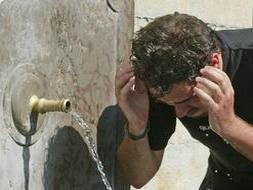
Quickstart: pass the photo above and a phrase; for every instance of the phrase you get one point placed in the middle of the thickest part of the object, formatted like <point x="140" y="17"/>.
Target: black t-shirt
<point x="237" y="47"/>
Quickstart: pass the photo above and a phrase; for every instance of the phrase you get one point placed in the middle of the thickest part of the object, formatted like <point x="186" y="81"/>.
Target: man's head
<point x="170" y="51"/>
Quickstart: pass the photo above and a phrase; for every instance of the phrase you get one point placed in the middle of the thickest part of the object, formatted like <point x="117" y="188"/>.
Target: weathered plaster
<point x="75" y="45"/>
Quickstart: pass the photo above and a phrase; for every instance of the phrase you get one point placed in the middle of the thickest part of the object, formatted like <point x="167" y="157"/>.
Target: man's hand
<point x="132" y="97"/>
<point x="217" y="95"/>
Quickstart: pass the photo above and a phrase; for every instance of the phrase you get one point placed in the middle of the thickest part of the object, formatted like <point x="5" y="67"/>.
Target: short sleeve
<point x="162" y="121"/>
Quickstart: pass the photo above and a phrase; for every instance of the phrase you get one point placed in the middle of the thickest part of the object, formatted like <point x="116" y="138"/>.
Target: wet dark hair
<point x="171" y="49"/>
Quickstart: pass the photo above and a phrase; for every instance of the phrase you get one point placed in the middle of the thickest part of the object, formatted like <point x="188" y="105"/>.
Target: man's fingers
<point x="210" y="88"/>
<point x="217" y="76"/>
<point x="124" y="68"/>
<point x="140" y="86"/>
<point x="123" y="74"/>
<point x="128" y="87"/>
<point x="122" y="80"/>
<point x="205" y="98"/>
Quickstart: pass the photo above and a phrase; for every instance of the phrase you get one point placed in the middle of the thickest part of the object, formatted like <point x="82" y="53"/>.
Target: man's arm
<point x="215" y="90"/>
<point x="138" y="162"/>
<point x="136" y="159"/>
<point x="240" y="136"/>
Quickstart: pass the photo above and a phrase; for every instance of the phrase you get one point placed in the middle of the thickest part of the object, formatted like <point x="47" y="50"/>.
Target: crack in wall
<point x="109" y="4"/>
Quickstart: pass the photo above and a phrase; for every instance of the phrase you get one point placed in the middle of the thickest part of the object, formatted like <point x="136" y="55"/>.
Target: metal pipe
<point x="42" y="105"/>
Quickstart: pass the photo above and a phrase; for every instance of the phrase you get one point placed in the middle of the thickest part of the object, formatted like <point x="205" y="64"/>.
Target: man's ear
<point x="216" y="60"/>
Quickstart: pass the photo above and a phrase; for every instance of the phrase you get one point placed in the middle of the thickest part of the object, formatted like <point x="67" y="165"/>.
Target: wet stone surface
<point x="68" y="163"/>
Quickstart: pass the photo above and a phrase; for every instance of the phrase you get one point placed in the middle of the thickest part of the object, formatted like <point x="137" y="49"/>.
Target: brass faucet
<point x="42" y="105"/>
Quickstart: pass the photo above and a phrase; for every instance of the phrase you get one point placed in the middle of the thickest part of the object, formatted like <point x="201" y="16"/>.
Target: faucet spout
<point x="42" y="105"/>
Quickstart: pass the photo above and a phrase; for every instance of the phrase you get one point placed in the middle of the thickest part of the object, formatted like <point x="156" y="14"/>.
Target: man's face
<point x="185" y="102"/>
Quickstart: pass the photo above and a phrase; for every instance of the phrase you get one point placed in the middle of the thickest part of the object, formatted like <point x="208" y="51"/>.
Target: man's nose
<point x="181" y="110"/>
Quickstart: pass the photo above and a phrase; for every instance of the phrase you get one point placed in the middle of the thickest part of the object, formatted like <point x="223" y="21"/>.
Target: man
<point x="182" y="68"/>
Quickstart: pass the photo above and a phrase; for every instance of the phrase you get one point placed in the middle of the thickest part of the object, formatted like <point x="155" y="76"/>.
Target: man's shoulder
<point x="237" y="39"/>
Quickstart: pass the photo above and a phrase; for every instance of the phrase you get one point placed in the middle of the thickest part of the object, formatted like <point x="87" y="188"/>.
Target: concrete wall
<point x="185" y="159"/>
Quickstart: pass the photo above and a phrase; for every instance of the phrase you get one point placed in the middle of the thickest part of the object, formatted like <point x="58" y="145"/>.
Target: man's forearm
<point x="137" y="161"/>
<point x="240" y="136"/>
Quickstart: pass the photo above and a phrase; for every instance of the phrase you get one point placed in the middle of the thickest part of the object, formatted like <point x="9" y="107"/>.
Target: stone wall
<point x="57" y="49"/>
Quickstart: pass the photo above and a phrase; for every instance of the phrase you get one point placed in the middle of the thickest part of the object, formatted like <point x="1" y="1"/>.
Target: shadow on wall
<point x="69" y="165"/>
<point x="110" y="134"/>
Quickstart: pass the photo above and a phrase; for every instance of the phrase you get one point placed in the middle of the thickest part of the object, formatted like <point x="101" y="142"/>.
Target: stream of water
<point x="92" y="147"/>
